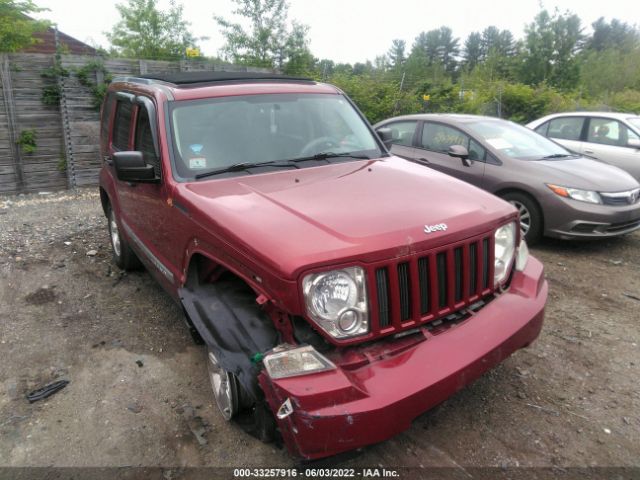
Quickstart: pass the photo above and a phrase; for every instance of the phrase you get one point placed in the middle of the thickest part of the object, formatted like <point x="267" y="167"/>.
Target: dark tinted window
<point x="107" y="108"/>
<point x="144" y="140"/>
<point x="402" y="132"/>
<point x="566" y="128"/>
<point x="122" y="125"/>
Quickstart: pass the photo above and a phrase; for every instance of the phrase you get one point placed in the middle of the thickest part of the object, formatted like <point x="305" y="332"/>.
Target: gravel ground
<point x="139" y="395"/>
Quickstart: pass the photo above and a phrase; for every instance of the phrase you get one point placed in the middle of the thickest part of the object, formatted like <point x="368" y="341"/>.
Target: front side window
<point x="122" y="126"/>
<point x="606" y="131"/>
<point x="220" y="132"/>
<point x="402" y="132"/>
<point x="516" y="141"/>
<point x="438" y="138"/>
<point x="566" y="128"/>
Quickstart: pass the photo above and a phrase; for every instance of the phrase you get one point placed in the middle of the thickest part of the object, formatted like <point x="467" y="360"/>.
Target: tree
<point x="269" y="41"/>
<point x="615" y="34"/>
<point x="550" y="49"/>
<point x="396" y="54"/>
<point x="473" y="51"/>
<point x="16" y="28"/>
<point x="144" y="31"/>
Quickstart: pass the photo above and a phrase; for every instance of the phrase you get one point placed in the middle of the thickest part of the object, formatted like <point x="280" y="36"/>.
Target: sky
<point x="347" y="31"/>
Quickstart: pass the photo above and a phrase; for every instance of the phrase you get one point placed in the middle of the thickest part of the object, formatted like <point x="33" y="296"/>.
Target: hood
<point x="366" y="210"/>
<point x="587" y="174"/>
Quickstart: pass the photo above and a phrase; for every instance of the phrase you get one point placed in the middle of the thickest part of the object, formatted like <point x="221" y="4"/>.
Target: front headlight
<point x="505" y="247"/>
<point x="588" y="196"/>
<point x="337" y="301"/>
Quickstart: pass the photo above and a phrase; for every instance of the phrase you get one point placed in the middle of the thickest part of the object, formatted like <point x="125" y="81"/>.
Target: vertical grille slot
<point x="457" y="265"/>
<point x="441" y="265"/>
<point x="423" y="280"/>
<point x="405" y="293"/>
<point x="473" y="268"/>
<point x="382" y="284"/>
<point x="485" y="263"/>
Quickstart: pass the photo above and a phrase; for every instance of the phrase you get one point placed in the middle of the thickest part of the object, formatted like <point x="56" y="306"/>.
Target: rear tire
<point x="531" y="220"/>
<point x="123" y="255"/>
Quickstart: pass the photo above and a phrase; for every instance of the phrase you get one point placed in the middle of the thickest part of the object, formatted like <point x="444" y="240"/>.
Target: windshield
<point x="635" y="121"/>
<point x="516" y="141"/>
<point x="217" y="133"/>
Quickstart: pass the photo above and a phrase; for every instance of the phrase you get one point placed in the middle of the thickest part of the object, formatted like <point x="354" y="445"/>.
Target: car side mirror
<point x="633" y="143"/>
<point x="131" y="167"/>
<point x="386" y="136"/>
<point x="458" y="151"/>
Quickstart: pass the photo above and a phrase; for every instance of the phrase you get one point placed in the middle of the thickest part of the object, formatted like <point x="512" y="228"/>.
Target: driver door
<point x="434" y="140"/>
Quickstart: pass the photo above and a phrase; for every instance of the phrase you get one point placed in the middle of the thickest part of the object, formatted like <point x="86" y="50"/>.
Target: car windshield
<point x="635" y="121"/>
<point x="516" y="141"/>
<point x="216" y="134"/>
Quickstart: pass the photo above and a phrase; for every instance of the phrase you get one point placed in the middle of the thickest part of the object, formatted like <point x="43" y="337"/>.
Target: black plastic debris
<point x="139" y="363"/>
<point x="47" y="391"/>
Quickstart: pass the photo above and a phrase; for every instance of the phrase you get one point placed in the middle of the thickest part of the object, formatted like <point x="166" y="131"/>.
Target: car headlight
<point x="588" y="196"/>
<point x="337" y="301"/>
<point x="505" y="247"/>
<point x="522" y="256"/>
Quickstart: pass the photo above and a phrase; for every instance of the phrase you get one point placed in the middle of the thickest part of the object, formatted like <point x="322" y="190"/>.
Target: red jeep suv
<point x="340" y="291"/>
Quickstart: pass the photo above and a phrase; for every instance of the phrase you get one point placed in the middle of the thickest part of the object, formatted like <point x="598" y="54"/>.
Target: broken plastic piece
<point x="257" y="358"/>
<point x="285" y="409"/>
<point x="47" y="391"/>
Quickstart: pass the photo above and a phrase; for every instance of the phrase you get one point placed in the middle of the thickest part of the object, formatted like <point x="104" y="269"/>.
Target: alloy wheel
<point x="525" y="216"/>
<point x="225" y="389"/>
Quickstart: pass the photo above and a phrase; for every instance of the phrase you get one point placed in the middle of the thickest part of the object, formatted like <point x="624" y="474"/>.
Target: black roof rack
<point x="194" y="78"/>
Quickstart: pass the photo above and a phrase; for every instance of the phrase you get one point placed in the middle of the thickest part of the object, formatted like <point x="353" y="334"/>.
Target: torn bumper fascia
<point x="348" y="408"/>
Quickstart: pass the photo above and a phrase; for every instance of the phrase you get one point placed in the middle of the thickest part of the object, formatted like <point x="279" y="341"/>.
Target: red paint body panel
<point x="340" y="410"/>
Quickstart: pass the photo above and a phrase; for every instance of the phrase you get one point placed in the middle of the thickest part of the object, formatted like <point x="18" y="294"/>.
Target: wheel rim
<point x="115" y="234"/>
<point x="222" y="384"/>
<point x="525" y="216"/>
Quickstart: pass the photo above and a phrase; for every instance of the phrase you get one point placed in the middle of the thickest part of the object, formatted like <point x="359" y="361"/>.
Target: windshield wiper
<point x="239" y="167"/>
<point x="559" y="155"/>
<point x="327" y="155"/>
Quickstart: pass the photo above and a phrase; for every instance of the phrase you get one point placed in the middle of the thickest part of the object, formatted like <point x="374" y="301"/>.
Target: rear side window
<point x="144" y="140"/>
<point x="402" y="132"/>
<point x="122" y="126"/>
<point x="107" y="108"/>
<point x="566" y="128"/>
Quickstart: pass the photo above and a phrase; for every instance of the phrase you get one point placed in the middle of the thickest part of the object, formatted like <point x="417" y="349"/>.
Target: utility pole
<point x="395" y="108"/>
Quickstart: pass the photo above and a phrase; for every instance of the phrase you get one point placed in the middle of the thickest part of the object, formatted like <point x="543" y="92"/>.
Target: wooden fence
<point x="67" y="152"/>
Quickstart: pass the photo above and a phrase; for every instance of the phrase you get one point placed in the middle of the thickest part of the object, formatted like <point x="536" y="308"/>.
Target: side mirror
<point x="633" y="143"/>
<point x="131" y="167"/>
<point x="458" y="151"/>
<point x="386" y="136"/>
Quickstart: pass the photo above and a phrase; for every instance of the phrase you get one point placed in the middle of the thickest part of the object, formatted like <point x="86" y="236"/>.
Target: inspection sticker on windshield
<point x="499" y="143"/>
<point x="197" y="162"/>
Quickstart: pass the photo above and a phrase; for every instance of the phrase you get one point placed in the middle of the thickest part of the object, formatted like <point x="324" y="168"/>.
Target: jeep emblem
<point x="435" y="228"/>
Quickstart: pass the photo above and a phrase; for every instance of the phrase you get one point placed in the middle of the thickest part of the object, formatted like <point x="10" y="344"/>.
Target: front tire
<point x="531" y="220"/>
<point x="123" y="255"/>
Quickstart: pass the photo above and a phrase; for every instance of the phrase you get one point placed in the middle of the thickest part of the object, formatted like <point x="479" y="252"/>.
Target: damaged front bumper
<point x="363" y="402"/>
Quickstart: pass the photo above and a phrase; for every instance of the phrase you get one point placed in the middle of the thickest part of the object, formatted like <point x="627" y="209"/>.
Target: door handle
<point x="424" y="160"/>
<point x="588" y="151"/>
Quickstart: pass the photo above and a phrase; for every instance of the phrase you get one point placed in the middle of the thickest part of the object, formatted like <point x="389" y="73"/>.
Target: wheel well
<point x="104" y="200"/>
<point x="203" y="269"/>
<point x="502" y="193"/>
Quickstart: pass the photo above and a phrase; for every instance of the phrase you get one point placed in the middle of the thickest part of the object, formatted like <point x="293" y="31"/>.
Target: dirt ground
<point x="139" y="395"/>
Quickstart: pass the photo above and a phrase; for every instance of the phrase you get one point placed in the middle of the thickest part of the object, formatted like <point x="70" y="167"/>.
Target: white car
<point x="611" y="137"/>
